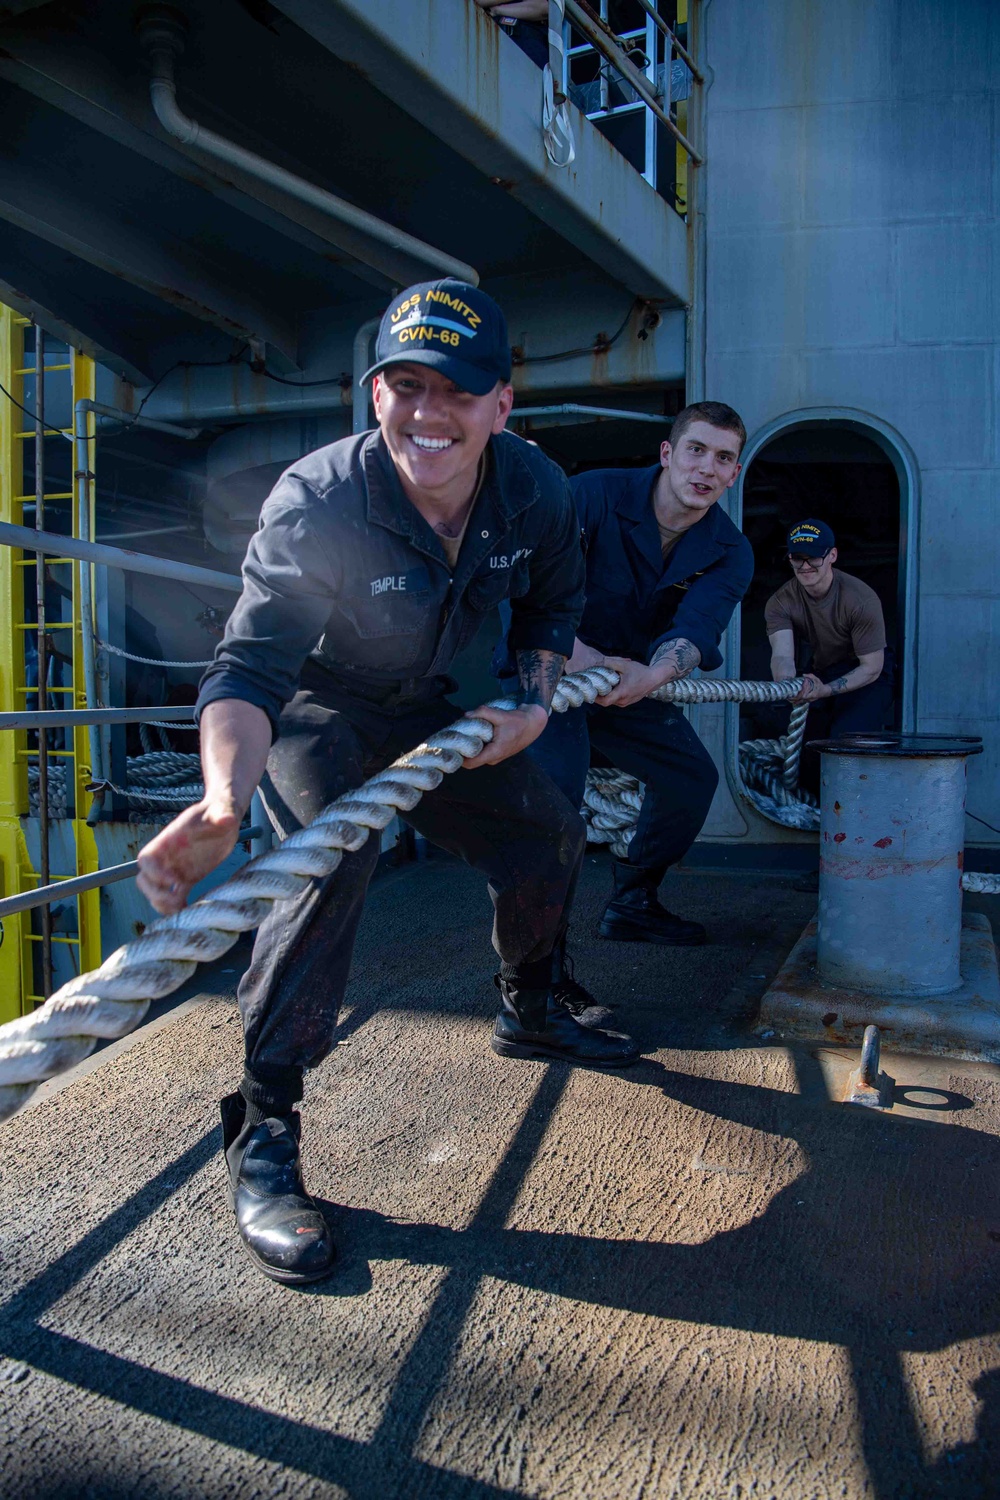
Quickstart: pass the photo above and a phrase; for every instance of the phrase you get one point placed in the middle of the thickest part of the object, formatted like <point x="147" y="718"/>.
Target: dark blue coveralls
<point x="635" y="604"/>
<point x="347" y="624"/>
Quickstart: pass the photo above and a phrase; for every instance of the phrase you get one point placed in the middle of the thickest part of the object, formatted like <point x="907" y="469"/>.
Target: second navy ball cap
<point x="451" y="326"/>
<point x="811" y="538"/>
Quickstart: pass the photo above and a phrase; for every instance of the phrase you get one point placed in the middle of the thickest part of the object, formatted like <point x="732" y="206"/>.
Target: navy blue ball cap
<point x="811" y="538"/>
<point x="450" y="326"/>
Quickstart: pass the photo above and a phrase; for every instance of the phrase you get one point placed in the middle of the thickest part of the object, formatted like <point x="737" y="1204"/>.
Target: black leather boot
<point x="283" y="1231"/>
<point x="532" y="1023"/>
<point x="634" y="913"/>
<point x="571" y="994"/>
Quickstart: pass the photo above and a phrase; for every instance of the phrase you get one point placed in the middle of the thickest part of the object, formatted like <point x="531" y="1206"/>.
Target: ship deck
<point x="699" y="1278"/>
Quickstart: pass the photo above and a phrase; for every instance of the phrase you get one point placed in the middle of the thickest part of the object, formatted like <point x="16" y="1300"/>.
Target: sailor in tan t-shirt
<point x="840" y="619"/>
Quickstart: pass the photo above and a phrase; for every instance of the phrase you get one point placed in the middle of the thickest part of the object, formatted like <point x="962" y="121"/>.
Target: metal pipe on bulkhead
<point x="161" y="34"/>
<point x="359" y="392"/>
<point x="573" y="408"/>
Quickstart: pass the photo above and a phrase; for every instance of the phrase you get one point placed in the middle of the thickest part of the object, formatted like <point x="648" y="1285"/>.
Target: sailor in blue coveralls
<point x="376" y="560"/>
<point x="666" y="567"/>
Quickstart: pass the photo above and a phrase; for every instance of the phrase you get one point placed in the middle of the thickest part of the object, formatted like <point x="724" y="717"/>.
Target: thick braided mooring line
<point x="792" y="745"/>
<point x="112" y="1000"/>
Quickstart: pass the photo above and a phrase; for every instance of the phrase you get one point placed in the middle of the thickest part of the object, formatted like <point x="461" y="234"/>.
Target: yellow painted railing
<point x="19" y="967"/>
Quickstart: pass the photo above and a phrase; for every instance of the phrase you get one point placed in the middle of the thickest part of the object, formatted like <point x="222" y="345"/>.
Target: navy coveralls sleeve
<point x="635" y="604"/>
<point x="348" y="622"/>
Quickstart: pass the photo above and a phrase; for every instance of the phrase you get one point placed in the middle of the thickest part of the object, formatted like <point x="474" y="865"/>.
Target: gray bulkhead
<point x="853" y="272"/>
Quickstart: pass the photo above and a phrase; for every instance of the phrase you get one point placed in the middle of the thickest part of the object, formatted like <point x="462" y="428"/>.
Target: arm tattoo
<point x="840" y="685"/>
<point x="680" y="654"/>
<point x="539" y="672"/>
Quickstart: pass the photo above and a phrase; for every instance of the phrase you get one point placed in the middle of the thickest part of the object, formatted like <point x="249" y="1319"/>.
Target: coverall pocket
<point x="387" y="614"/>
<point x="386" y="633"/>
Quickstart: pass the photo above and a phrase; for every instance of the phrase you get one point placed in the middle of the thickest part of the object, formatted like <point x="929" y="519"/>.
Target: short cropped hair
<point x="715" y="413"/>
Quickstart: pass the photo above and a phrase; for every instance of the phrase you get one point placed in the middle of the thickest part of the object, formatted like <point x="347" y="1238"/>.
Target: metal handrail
<point x="65" y="718"/>
<point x="650" y="8"/>
<point x="55" y="544"/>
<point x="602" y="41"/>
<point x="44" y="895"/>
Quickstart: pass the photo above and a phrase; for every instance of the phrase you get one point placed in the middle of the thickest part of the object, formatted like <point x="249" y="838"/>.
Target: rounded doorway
<point x="851" y="476"/>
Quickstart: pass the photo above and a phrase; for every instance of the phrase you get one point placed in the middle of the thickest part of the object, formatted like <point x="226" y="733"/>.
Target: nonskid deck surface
<point x="697" y="1278"/>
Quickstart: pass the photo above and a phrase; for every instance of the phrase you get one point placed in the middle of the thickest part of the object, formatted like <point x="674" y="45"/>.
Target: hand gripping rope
<point x="111" y="1001"/>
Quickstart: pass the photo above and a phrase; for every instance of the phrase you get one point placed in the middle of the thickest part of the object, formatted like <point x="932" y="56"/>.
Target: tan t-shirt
<point x="846" y="622"/>
<point x="668" y="538"/>
<point x="452" y="545"/>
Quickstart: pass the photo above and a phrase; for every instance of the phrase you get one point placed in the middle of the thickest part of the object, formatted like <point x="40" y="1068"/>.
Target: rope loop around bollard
<point x="112" y="1000"/>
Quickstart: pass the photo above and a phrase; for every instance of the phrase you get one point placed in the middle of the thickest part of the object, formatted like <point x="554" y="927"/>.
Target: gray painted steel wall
<point x="854" y="262"/>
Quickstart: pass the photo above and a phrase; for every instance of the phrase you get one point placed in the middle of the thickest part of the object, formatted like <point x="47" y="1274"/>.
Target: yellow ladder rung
<point x="32" y="691"/>
<point x="29" y="562"/>
<point x="46" y="369"/>
<point x="49" y="432"/>
<point x="30" y="754"/>
<point x="34" y="937"/>
<point x="54" y="625"/>
<point x="31" y="499"/>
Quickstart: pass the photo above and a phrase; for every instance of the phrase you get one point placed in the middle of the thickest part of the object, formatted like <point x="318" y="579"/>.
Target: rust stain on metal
<point x="599" y="362"/>
<point x="838" y="838"/>
<point x="883" y="843"/>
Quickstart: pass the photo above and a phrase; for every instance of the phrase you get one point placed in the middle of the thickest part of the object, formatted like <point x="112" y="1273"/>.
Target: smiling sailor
<point x="375" y="561"/>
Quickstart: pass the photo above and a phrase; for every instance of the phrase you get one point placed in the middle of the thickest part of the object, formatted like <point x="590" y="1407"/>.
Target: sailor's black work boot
<point x="532" y="1023"/>
<point x="282" y="1229"/>
<point x="634" y="913"/>
<point x="571" y="994"/>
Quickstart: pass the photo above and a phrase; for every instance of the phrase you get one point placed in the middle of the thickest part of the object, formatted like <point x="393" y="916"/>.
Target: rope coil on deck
<point x="770" y="772"/>
<point x="612" y="800"/>
<point x="111" y="1001"/>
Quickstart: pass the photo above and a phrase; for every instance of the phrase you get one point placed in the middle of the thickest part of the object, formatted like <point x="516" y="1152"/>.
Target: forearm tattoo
<point x="680" y="654"/>
<point x="539" y="672"/>
<point x="841" y="685"/>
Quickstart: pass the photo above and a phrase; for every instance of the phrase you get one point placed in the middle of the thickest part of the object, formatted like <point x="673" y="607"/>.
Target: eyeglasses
<point x="801" y="559"/>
